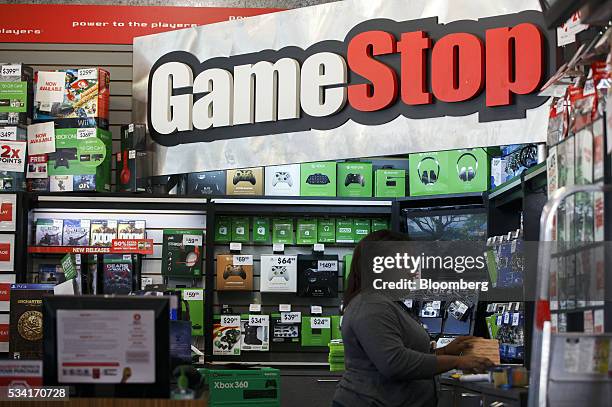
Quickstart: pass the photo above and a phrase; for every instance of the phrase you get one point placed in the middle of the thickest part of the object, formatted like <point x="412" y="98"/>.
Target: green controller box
<point x="243" y="388"/>
<point x="354" y="179"/>
<point x="318" y="179"/>
<point x="313" y="336"/>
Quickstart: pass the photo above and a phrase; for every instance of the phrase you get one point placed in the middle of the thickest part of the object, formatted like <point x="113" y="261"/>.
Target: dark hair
<point x="353" y="283"/>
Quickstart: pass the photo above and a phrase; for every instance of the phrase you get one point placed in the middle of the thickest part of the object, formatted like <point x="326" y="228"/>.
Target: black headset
<point x="428" y="177"/>
<point x="467" y="174"/>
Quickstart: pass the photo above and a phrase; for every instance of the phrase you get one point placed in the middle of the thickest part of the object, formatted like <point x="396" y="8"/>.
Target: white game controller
<point x="278" y="271"/>
<point x="282" y="178"/>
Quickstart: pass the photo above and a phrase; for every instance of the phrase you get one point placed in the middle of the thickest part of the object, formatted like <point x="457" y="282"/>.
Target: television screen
<point x="453" y="224"/>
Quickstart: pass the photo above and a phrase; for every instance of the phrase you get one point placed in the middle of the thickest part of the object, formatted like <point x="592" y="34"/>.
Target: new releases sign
<point x="375" y="86"/>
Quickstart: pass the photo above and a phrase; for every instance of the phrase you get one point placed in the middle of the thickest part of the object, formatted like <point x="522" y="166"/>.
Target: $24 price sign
<point x="320" y="322"/>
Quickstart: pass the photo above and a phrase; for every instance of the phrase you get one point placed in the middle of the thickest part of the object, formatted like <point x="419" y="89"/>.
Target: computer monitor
<point x="456" y="223"/>
<point x="107" y="346"/>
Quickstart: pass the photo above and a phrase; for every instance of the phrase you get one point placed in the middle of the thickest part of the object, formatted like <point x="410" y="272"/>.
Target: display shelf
<point x="116" y="201"/>
<point x="117" y="249"/>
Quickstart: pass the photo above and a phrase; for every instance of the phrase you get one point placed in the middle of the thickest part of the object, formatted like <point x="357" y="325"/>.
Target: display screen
<point x="432" y="325"/>
<point x="453" y="326"/>
<point x="454" y="224"/>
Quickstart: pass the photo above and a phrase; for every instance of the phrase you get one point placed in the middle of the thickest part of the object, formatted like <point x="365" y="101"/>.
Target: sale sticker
<point x="12" y="156"/>
<point x="41" y="138"/>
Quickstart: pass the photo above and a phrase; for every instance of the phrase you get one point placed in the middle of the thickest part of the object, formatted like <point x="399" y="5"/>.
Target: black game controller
<point x="250" y="335"/>
<point x="317" y="179"/>
<point x="234" y="271"/>
<point x="62" y="156"/>
<point x="354" y="179"/>
<point x="244" y="175"/>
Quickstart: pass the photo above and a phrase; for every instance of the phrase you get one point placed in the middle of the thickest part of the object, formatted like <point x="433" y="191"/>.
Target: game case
<point x="76" y="232"/>
<point x="26" y="320"/>
<point x="50" y="274"/>
<point x="117" y="273"/>
<point x="49" y="232"/>
<point x="103" y="232"/>
<point x="131" y="229"/>
<point x="227" y="335"/>
<point x="256" y="337"/>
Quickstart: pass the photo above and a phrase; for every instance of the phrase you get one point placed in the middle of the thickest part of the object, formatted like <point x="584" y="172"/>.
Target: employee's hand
<point x="473" y="364"/>
<point x="457" y="346"/>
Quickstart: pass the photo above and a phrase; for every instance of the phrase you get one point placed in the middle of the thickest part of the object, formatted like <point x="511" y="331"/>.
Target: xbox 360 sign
<point x="383" y="69"/>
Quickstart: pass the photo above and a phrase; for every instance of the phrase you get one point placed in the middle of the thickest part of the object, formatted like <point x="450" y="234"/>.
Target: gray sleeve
<point x="378" y="331"/>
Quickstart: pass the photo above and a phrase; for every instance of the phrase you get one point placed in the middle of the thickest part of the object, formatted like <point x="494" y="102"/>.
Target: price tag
<point x="131" y="127"/>
<point x="255" y="308"/>
<point x="291" y="317"/>
<point x="8" y="133"/>
<point x="316" y="309"/>
<point x="242" y="260"/>
<point x="284" y="307"/>
<point x="230" y="320"/>
<point x="327" y="265"/>
<point x="319" y="247"/>
<point x="258" y="320"/>
<point x="193" y="295"/>
<point x="320" y="322"/>
<point x="87" y="73"/>
<point x="192" y="240"/>
<point x="278" y="247"/>
<point x="516" y="317"/>
<point x="145" y="281"/>
<point x="506" y="318"/>
<point x="285" y="260"/>
<point x="235" y="247"/>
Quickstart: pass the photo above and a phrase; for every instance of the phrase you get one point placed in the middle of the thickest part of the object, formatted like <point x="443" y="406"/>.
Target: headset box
<point x="234" y="272"/>
<point x="354" y="179"/>
<point x="470" y="170"/>
<point x="81" y="161"/>
<point x="240" y="229"/>
<point x="336" y="325"/>
<point x="247" y="181"/>
<point x="182" y="253"/>
<point x="278" y="273"/>
<point x="227" y="335"/>
<point x="326" y="230"/>
<point x="314" y="336"/>
<point x="72" y="97"/>
<point x="318" y="275"/>
<point x="207" y="183"/>
<point x="223" y="227"/>
<point x="195" y="301"/>
<point x="283" y="180"/>
<point x="258" y="387"/>
<point x="318" y="178"/>
<point x="345" y="230"/>
<point x="379" y="224"/>
<point x="261" y="230"/>
<point x="390" y="183"/>
<point x="284" y="332"/>
<point x="282" y="230"/>
<point x="306" y="231"/>
<point x="134" y="161"/>
<point x="16" y="94"/>
<point x="255" y="333"/>
<point x="430" y="173"/>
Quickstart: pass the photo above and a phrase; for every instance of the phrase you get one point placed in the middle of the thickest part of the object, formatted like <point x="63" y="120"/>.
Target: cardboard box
<point x="318" y="178"/>
<point x="326" y="230"/>
<point x="16" y="94"/>
<point x="15" y="180"/>
<point x="81" y="161"/>
<point x="259" y="387"/>
<point x="227" y="336"/>
<point x="232" y="276"/>
<point x="283" y="180"/>
<point x="246" y="181"/>
<point x="318" y="275"/>
<point x="354" y="179"/>
<point x="134" y="161"/>
<point x="336" y="325"/>
<point x="207" y="183"/>
<point x="390" y="183"/>
<point x="284" y="332"/>
<point x="348" y="261"/>
<point x="195" y="300"/>
<point x="470" y="170"/>
<point x="255" y="337"/>
<point x="307" y="231"/>
<point x="315" y="336"/>
<point x="282" y="230"/>
<point x="182" y="253"/>
<point x="84" y="102"/>
<point x="278" y="273"/>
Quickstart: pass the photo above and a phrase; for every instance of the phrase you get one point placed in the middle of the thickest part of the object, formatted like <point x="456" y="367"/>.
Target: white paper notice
<point x="115" y="346"/>
<point x="50" y="89"/>
<point x="41" y="138"/>
<point x="12" y="156"/>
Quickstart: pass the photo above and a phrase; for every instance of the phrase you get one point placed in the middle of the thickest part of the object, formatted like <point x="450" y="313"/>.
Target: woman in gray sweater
<point x="387" y="353"/>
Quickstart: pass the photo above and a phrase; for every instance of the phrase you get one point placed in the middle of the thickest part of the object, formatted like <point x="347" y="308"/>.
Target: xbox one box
<point x="207" y="183"/>
<point x="390" y="183"/>
<point x="26" y="320"/>
<point x="81" y="161"/>
<point x="76" y="232"/>
<point x="182" y="253"/>
<point x="283" y="180"/>
<point x="354" y="179"/>
<point x="103" y="232"/>
<point x="16" y="94"/>
<point x="72" y="97"/>
<point x="246" y="181"/>
<point x="278" y="273"/>
<point x="234" y="272"/>
<point x="318" y="179"/>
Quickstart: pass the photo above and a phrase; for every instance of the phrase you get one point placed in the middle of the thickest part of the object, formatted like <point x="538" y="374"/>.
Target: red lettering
<point x="413" y="48"/>
<point x="382" y="90"/>
<point x="514" y="62"/>
<point x="457" y="67"/>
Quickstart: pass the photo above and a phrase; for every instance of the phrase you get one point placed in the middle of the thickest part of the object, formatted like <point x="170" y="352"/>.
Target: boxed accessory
<point x="255" y="332"/>
<point x="345" y="230"/>
<point x="354" y="179"/>
<point x="379" y="224"/>
<point x="247" y="181"/>
<point x="306" y="231"/>
<point x="278" y="273"/>
<point x="117" y="274"/>
<point x="72" y="97"/>
<point x="326" y="230"/>
<point x="134" y="162"/>
<point x="223" y="228"/>
<point x="317" y="275"/>
<point x="207" y="183"/>
<point x="470" y="170"/>
<point x="49" y="232"/>
<point x="131" y="229"/>
<point x="234" y="272"/>
<point x="283" y="180"/>
<point x="284" y="332"/>
<point x="261" y="230"/>
<point x="240" y="229"/>
<point x="16" y="94"/>
<point x="195" y="300"/>
<point x="84" y="155"/>
<point x="348" y="260"/>
<point x="103" y="232"/>
<point x="76" y="232"/>
<point x="282" y="230"/>
<point x="336" y="325"/>
<point x="390" y="183"/>
<point x="257" y="387"/>
<point x="182" y="253"/>
<point x="316" y="331"/>
<point x="361" y="228"/>
<point x="318" y="179"/>
<point x="227" y="336"/>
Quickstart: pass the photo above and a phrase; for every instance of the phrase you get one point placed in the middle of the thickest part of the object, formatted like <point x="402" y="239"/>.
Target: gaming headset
<point x="428" y="177"/>
<point x="466" y="174"/>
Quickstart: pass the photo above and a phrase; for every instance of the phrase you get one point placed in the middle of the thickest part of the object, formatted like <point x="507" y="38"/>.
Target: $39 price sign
<point x="291" y="317"/>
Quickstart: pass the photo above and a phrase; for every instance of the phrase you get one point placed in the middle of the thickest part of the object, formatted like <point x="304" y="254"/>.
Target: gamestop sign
<point x="386" y="87"/>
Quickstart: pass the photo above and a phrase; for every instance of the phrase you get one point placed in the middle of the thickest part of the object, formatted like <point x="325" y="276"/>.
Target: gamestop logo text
<point x="383" y="69"/>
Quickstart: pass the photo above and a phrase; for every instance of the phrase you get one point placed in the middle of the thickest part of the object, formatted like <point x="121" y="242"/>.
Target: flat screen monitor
<point x="107" y="346"/>
<point x="453" y="326"/>
<point x="432" y="325"/>
<point x="428" y="224"/>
